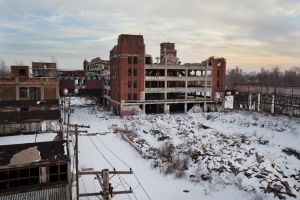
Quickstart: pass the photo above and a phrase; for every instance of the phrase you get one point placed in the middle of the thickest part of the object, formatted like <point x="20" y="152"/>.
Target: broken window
<point x="129" y="84"/>
<point x="135" y="96"/>
<point x="129" y="60"/>
<point x="129" y="96"/>
<point x="129" y="72"/>
<point x="23" y="92"/>
<point x="134" y="72"/>
<point x="22" y="72"/>
<point x="148" y="60"/>
<point x="135" y="83"/>
<point x="135" y="60"/>
<point x="35" y="93"/>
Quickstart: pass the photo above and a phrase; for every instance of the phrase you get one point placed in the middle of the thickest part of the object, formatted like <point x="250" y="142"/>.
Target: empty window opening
<point x="135" y="72"/>
<point x="154" y="96"/>
<point x="155" y="72"/>
<point x="176" y="95"/>
<point x="155" y="84"/>
<point x="22" y="72"/>
<point x="175" y="84"/>
<point x="154" y="108"/>
<point x="135" y="84"/>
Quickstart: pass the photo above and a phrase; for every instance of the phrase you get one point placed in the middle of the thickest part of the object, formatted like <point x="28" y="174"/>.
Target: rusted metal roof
<point x="55" y="193"/>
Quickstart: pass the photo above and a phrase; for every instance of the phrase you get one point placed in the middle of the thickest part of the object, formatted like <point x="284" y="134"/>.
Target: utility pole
<point x="76" y="132"/>
<point x="104" y="180"/>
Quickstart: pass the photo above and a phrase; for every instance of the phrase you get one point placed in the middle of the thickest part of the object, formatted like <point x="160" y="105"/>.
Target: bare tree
<point x="3" y="67"/>
<point x="235" y="76"/>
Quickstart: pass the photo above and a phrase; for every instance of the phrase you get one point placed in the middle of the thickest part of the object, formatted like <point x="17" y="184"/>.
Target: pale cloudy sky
<point x="248" y="33"/>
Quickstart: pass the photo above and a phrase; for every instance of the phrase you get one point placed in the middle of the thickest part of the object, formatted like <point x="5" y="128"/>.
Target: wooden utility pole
<point x="103" y="177"/>
<point x="76" y="132"/>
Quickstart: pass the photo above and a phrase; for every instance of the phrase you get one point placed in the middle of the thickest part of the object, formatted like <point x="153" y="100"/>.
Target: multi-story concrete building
<point x="167" y="86"/>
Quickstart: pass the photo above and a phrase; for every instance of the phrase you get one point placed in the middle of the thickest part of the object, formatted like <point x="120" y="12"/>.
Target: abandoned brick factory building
<point x="35" y="164"/>
<point x="136" y="82"/>
<point x="29" y="103"/>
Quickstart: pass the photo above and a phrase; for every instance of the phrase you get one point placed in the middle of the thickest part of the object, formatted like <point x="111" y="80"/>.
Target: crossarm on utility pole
<point x="91" y="194"/>
<point x="99" y="172"/>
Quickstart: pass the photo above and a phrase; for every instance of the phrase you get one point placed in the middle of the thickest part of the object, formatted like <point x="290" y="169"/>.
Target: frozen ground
<point x="234" y="155"/>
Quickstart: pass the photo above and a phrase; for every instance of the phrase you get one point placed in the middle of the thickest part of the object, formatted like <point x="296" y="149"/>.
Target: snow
<point x="22" y="139"/>
<point x="240" y="142"/>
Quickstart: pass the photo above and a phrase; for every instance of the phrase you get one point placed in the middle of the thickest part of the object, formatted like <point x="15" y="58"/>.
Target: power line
<point x="125" y="164"/>
<point x="141" y="186"/>
<point x="113" y="153"/>
<point x="100" y="152"/>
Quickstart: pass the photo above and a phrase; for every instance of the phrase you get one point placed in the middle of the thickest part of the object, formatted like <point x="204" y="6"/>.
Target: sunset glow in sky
<point x="250" y="34"/>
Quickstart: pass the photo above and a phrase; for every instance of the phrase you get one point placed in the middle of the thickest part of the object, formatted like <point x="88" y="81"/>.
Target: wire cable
<point x="126" y="165"/>
<point x="100" y="152"/>
<point x="113" y="153"/>
<point x="141" y="186"/>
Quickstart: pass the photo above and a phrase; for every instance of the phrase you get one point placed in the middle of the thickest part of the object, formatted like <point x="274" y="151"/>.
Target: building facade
<point x="274" y="99"/>
<point x="136" y="83"/>
<point x="29" y="103"/>
<point x="127" y="64"/>
<point x="96" y="64"/>
<point x="81" y="83"/>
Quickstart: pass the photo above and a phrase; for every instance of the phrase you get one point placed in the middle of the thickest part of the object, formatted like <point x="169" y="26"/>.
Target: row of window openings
<point x="132" y="96"/>
<point x="161" y="84"/>
<point x="32" y="93"/>
<point x="31" y="176"/>
<point x="134" y="84"/>
<point x="134" y="72"/>
<point x="132" y="60"/>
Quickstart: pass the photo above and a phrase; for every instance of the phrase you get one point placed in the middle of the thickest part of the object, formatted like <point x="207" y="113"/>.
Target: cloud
<point x="248" y="33"/>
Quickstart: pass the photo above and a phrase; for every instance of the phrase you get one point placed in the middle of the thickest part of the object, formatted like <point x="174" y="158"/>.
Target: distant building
<point x="136" y="83"/>
<point x="168" y="53"/>
<point x="29" y="103"/>
<point x="96" y="64"/>
<point x="81" y="83"/>
<point x="274" y="99"/>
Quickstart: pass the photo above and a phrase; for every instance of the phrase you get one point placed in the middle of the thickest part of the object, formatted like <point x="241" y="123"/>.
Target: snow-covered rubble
<point x="233" y="155"/>
<point x="240" y="148"/>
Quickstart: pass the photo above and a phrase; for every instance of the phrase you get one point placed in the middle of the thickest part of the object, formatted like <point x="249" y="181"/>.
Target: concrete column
<point x="205" y="107"/>
<point x="166" y="109"/>
<point x="249" y="101"/>
<point x="273" y="104"/>
<point x="17" y="93"/>
<point x="185" y="107"/>
<point x="42" y="92"/>
<point x="258" y="102"/>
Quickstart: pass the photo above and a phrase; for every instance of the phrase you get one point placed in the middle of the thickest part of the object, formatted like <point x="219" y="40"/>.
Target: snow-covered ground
<point x="233" y="155"/>
<point x="22" y="139"/>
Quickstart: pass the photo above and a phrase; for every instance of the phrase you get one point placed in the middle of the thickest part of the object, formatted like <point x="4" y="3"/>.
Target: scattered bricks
<point x="259" y="158"/>
<point x="205" y="177"/>
<point x="290" y="151"/>
<point x="263" y="142"/>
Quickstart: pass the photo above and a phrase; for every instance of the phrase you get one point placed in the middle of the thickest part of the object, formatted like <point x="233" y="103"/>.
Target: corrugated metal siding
<point x="58" y="193"/>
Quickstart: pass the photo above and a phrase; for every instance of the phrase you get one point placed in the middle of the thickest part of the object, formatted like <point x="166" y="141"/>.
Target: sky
<point x="249" y="34"/>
